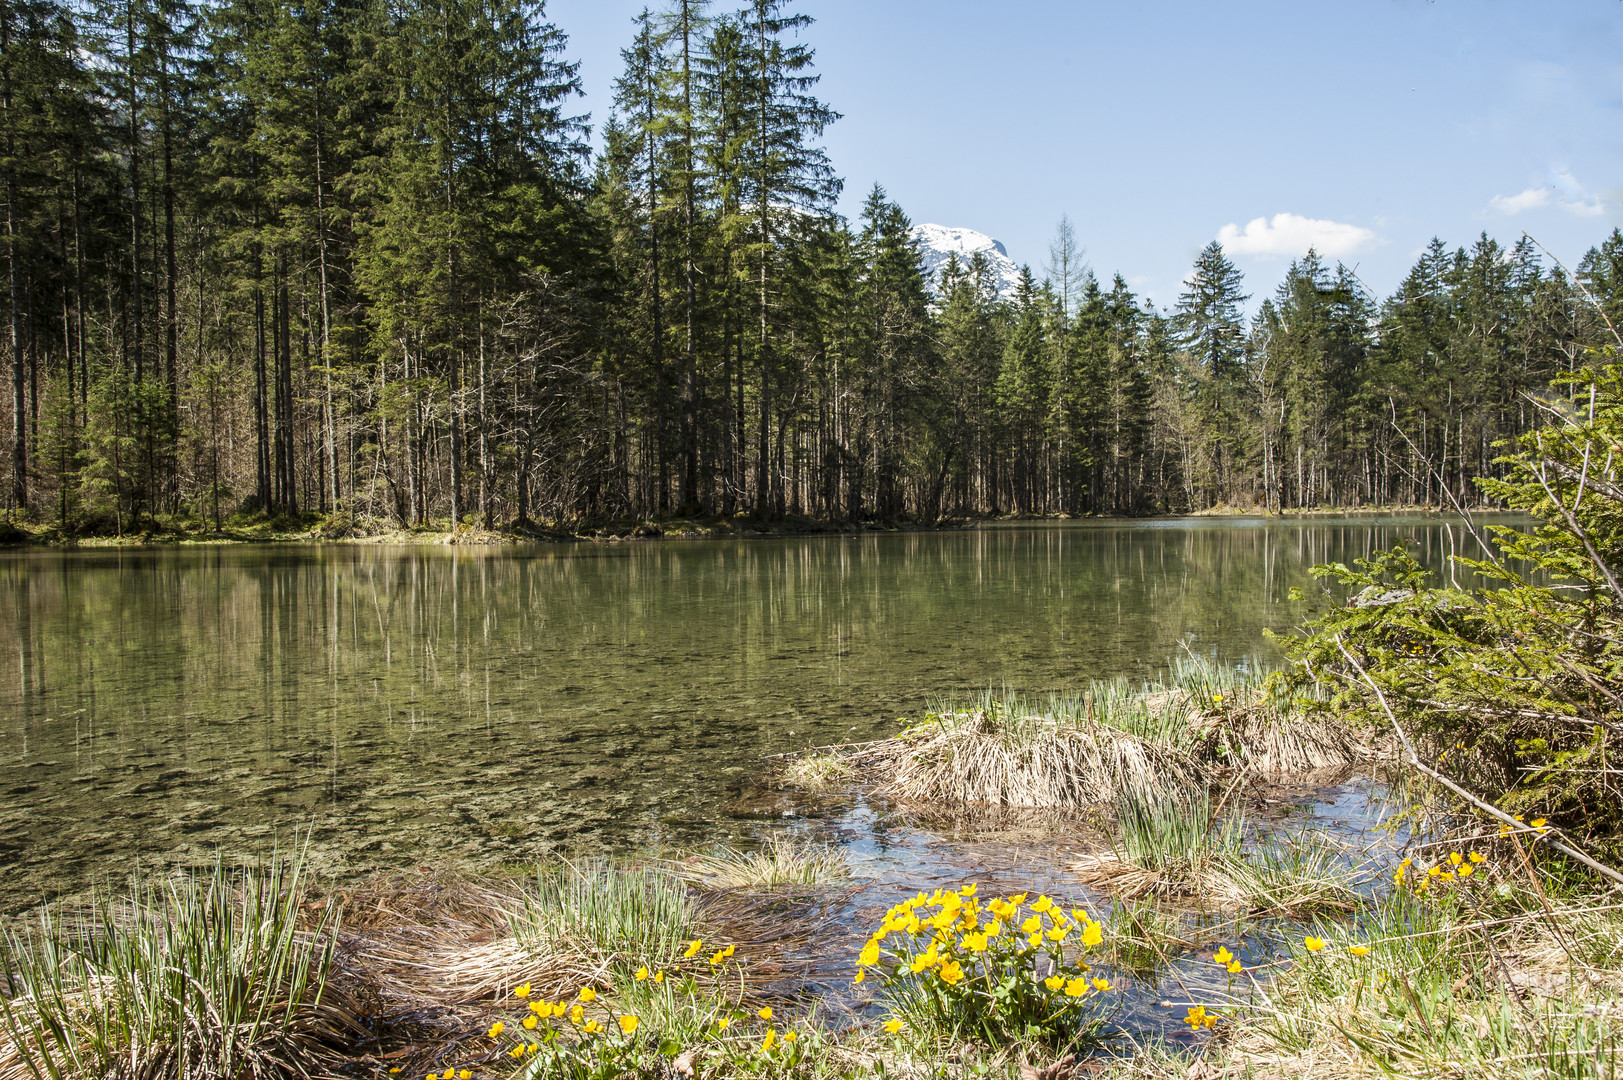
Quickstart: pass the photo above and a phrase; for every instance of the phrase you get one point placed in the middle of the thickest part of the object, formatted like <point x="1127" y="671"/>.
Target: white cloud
<point x="1569" y="195"/>
<point x="1514" y="204"/>
<point x="1291" y="235"/>
<point x="1576" y="199"/>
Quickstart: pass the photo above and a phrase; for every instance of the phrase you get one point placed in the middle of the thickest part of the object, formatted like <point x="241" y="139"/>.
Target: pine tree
<point x="1211" y="330"/>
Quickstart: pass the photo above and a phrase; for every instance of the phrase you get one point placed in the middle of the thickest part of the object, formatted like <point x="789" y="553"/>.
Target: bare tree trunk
<point x="19" y="433"/>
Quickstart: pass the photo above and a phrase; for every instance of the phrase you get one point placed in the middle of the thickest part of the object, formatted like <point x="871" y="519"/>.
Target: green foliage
<point x="378" y="226"/>
<point x="1513" y="687"/>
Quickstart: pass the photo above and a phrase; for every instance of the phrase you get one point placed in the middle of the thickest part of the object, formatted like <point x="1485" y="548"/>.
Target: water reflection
<point x="415" y="705"/>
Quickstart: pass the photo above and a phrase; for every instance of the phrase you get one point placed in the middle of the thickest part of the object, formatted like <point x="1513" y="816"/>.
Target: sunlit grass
<point x="780" y="861"/>
<point x="215" y="973"/>
<point x="613" y="914"/>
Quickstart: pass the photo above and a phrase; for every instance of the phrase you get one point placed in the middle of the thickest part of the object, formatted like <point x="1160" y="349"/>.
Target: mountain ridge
<point x="936" y="243"/>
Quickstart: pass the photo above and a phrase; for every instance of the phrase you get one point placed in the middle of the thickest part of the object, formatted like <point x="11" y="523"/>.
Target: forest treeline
<point x="358" y="258"/>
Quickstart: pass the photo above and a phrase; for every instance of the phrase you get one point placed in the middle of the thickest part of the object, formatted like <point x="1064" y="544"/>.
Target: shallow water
<point x="476" y="707"/>
<point x="892" y="856"/>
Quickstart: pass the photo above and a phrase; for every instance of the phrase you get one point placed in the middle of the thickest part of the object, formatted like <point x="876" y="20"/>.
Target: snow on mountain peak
<point x="936" y="242"/>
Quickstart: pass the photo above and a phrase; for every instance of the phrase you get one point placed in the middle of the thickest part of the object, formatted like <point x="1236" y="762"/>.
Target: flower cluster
<point x="1457" y="866"/>
<point x="1537" y="825"/>
<point x="1198" y="1018"/>
<point x="1005" y="969"/>
<point x="588" y="1038"/>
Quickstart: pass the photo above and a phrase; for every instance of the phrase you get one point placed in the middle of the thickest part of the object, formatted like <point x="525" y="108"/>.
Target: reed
<point x="214" y="973"/>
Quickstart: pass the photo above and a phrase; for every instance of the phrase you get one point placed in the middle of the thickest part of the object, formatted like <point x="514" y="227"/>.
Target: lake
<point x="461" y="706"/>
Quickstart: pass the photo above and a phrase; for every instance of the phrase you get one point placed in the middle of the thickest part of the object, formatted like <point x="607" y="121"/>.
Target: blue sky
<point x="1363" y="127"/>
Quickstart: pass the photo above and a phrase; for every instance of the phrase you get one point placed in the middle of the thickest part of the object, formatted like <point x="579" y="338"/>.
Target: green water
<point x="416" y="706"/>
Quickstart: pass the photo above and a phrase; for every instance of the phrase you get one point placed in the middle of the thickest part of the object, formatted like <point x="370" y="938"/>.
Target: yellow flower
<point x="721" y="1025"/>
<point x="1035" y="940"/>
<point x="975" y="943"/>
<point x="967" y="891"/>
<point x="495" y="1029"/>
<point x="1218" y="698"/>
<point x="628" y="1023"/>
<point x="1195" y="1017"/>
<point x="1031" y="925"/>
<point x="543" y="1009"/>
<point x="447" y="1074"/>
<point x="659" y="976"/>
<point x="1222" y="956"/>
<point x="575" y="1014"/>
<point x="729" y="950"/>
<point x="642" y="973"/>
<point x="1358" y="950"/>
<point x="771" y="1037"/>
<point x="892" y="1026"/>
<point x="588" y="995"/>
<point x="858" y="977"/>
<point x="1455" y="859"/>
<point x="1314" y="944"/>
<point x="522" y="991"/>
<point x="1101" y="985"/>
<point x="717" y="957"/>
<point x="1041" y="904"/>
<point x="1076" y="988"/>
<point x="530" y="1022"/>
<point x="1054" y="982"/>
<point x="1538" y="822"/>
<point x="1467" y="870"/>
<point x="790" y="1036"/>
<point x="1234" y="967"/>
<point x="1478" y="857"/>
<point x="765" y="1012"/>
<point x="516" y="1052"/>
<point x="592" y="1027"/>
<point x="869" y="956"/>
<point x="465" y="1074"/>
<point x="1093" y="935"/>
<point x="693" y="949"/>
<point x="951" y="972"/>
<point x="994" y="928"/>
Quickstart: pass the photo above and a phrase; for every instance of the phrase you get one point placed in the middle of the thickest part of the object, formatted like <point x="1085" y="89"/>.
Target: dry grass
<point x="778" y="862"/>
<point x="1090" y="749"/>
<point x="981" y="759"/>
<point x="1256" y="735"/>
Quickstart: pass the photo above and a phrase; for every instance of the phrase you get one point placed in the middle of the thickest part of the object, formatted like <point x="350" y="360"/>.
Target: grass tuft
<point x="780" y="861"/>
<point x="216" y="973"/>
<point x="819" y="772"/>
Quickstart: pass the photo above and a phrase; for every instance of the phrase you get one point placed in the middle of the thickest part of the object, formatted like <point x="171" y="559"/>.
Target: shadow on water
<point x="479" y="708"/>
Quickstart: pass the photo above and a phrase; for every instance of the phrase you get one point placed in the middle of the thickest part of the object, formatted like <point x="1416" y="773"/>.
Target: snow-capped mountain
<point x="936" y="242"/>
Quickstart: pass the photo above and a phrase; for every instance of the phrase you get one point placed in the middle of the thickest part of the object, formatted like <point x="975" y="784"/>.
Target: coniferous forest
<point x="359" y="259"/>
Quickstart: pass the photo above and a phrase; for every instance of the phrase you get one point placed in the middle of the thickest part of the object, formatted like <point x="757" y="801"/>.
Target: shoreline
<point x="317" y="529"/>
